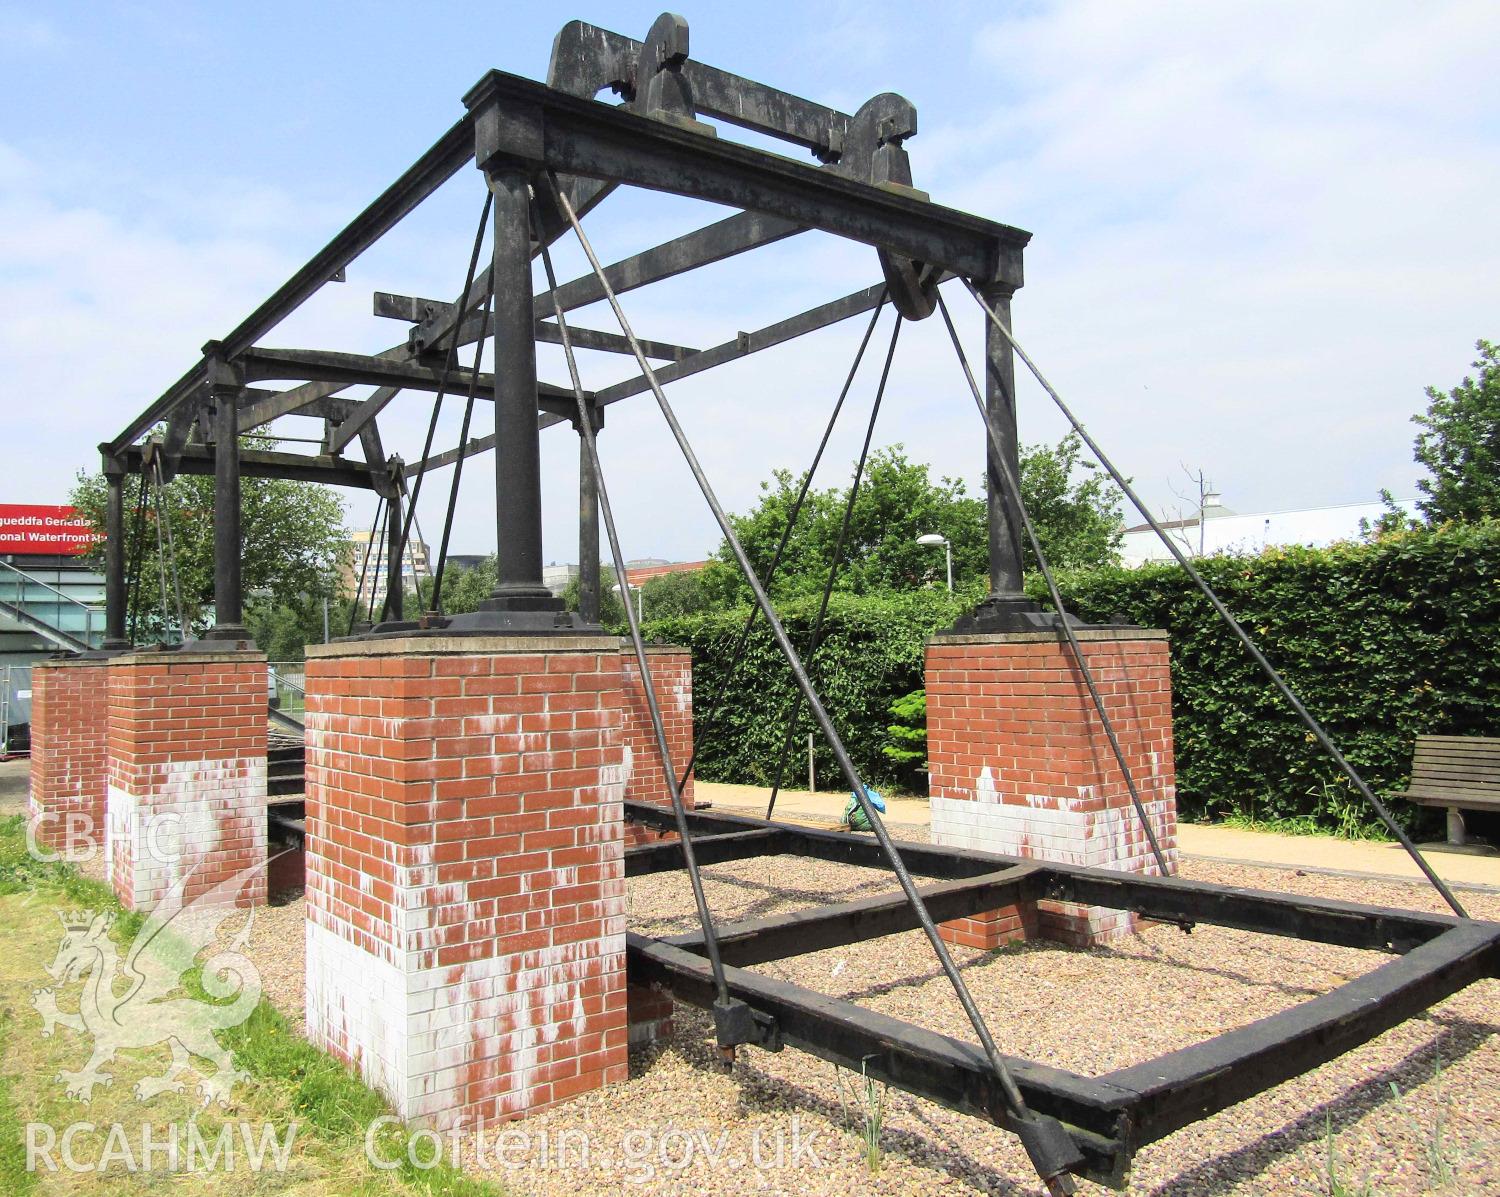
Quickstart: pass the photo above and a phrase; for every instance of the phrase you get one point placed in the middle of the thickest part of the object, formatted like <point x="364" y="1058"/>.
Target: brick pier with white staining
<point x="672" y="678"/>
<point x="1020" y="765"/>
<point x="465" y="869"/>
<point x="68" y="730"/>
<point x="186" y="776"/>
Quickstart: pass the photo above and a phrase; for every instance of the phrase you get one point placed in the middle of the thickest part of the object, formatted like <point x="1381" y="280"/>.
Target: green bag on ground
<point x="854" y="814"/>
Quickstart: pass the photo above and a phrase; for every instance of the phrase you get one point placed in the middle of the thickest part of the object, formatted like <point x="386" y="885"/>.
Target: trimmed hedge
<point x="871" y="654"/>
<point x="1382" y="641"/>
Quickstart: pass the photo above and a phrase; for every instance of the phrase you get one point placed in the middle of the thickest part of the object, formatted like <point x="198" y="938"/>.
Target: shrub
<point x="1383" y="641"/>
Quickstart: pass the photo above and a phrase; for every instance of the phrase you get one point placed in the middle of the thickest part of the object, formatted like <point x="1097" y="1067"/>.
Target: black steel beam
<point x="414" y="308"/>
<point x="254" y="463"/>
<point x="586" y="59"/>
<point x="1195" y="1082"/>
<point x="536" y="124"/>
<point x="425" y="176"/>
<point x="747" y="343"/>
<point x="742" y="346"/>
<point x="1169" y="899"/>
<point x="712" y="243"/>
<point x="353" y="369"/>
<point x="948" y="1071"/>
<point x="710" y="849"/>
<point x="1324" y="920"/>
<point x="838" y="924"/>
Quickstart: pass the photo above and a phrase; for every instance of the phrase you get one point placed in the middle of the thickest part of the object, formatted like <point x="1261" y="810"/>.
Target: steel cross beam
<point x="352" y="369"/>
<point x="742" y="345"/>
<point x="1112" y="1116"/>
<point x="258" y="463"/>
<point x="548" y="130"/>
<point x="702" y="247"/>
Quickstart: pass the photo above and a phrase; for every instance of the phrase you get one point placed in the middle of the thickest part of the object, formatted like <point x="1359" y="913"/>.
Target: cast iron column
<point x="395" y="591"/>
<point x="518" y="480"/>
<point x="588" y="532"/>
<point x="1005" y="526"/>
<point x="114" y="555"/>
<point x="223" y="393"/>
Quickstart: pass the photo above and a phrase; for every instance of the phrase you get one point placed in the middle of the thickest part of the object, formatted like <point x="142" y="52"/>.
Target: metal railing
<point x="44" y="607"/>
<point x="15" y="707"/>
<point x="287" y="687"/>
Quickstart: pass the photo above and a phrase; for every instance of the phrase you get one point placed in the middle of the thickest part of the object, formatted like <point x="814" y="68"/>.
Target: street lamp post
<point x="935" y="538"/>
<point x="640" y="599"/>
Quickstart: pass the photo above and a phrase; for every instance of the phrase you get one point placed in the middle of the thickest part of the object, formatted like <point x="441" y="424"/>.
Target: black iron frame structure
<point x="549" y="154"/>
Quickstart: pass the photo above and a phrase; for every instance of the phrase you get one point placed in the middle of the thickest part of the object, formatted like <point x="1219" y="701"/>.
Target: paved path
<point x="1199" y="841"/>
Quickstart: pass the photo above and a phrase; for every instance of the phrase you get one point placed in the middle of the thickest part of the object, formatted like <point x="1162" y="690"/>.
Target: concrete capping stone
<point x="70" y="662"/>
<point x="1085" y="635"/>
<point x="233" y="656"/>
<point x="466" y="646"/>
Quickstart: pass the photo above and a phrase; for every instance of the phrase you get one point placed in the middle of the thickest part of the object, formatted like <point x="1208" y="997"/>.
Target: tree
<point x="463" y="589"/>
<point x="678" y="593"/>
<point x="611" y="613"/>
<point x="1075" y="508"/>
<point x="293" y="535"/>
<point x="1459" y="445"/>
<point x="1077" y="519"/>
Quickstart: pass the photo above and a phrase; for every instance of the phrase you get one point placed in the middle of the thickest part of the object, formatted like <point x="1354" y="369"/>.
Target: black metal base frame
<point x="1113" y="1116"/>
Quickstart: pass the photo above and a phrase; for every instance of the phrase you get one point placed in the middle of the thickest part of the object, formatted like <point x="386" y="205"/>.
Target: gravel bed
<point x="682" y="1125"/>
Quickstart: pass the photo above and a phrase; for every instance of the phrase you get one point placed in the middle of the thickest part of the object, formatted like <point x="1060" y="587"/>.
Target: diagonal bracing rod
<point x="1230" y="621"/>
<point x="1013" y="486"/>
<point x="791" y="525"/>
<point x="591" y="444"/>
<point x="815" y="639"/>
<point x="1032" y="1128"/>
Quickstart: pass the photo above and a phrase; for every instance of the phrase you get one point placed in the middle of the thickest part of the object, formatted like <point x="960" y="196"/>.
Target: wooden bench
<point x="1458" y="772"/>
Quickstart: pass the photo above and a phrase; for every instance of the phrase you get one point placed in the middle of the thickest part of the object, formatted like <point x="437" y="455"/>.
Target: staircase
<point x="54" y="615"/>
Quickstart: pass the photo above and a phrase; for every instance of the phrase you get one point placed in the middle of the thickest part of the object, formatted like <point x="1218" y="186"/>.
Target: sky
<point x="1260" y="230"/>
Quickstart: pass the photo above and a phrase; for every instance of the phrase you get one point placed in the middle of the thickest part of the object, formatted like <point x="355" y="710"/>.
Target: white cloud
<point x="1272" y="216"/>
<point x="1260" y="231"/>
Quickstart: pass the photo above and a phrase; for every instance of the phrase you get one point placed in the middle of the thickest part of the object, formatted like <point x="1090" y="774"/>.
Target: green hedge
<point x="870" y="655"/>
<point x="1383" y="641"/>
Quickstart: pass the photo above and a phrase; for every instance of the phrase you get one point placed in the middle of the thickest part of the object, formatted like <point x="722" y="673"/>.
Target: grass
<point x="870" y="1100"/>
<point x="1335" y="1177"/>
<point x="1442" y="1157"/>
<point x="292" y="1083"/>
<point x="1302" y="825"/>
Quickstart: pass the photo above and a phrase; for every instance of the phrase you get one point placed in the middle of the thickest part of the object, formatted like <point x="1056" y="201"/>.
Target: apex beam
<point x="531" y="122"/>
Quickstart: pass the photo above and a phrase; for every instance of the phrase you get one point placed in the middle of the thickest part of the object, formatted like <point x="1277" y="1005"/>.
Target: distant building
<point x="1218" y="530"/>
<point x="638" y="573"/>
<point x="361" y="559"/>
<point x="557" y="577"/>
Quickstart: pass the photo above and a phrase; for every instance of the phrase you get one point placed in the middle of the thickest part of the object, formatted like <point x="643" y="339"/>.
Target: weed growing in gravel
<point x="1338" y="1185"/>
<point x="873" y="1111"/>
<point x="871" y="1103"/>
<point x="1442" y="1157"/>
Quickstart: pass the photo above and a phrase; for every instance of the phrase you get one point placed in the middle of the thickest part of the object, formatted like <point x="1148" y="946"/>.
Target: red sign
<point x="40" y="529"/>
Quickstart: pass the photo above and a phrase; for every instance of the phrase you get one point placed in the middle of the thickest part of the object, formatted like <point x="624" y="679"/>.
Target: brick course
<point x="465" y="862"/>
<point x="68" y="740"/>
<point x="186" y="775"/>
<point x="1019" y="764"/>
